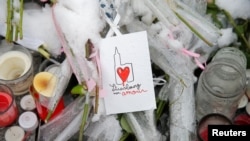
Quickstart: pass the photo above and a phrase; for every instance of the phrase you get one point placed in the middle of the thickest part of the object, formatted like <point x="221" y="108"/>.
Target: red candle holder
<point x="8" y="108"/>
<point x="242" y="119"/>
<point x="41" y="109"/>
<point x="210" y="119"/>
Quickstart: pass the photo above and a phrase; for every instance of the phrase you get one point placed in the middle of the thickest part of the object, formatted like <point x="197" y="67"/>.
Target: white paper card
<point x="127" y="73"/>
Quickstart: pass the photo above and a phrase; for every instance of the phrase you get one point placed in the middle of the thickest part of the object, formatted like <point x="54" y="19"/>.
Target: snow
<point x="81" y="20"/>
<point x="228" y="37"/>
<point x="237" y="8"/>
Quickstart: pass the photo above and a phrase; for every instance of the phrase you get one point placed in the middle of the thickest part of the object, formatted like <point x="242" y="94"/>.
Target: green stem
<point x="193" y="30"/>
<point x="231" y="20"/>
<point x="9" y="14"/>
<point x="11" y="33"/>
<point x="48" y="116"/>
<point x="124" y="136"/>
<point x="84" y="121"/>
<point x="53" y="1"/>
<point x="16" y="32"/>
<point x="21" y="20"/>
<point x="160" y="108"/>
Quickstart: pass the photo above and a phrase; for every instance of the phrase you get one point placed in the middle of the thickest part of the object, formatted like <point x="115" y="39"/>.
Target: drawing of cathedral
<point x="123" y="71"/>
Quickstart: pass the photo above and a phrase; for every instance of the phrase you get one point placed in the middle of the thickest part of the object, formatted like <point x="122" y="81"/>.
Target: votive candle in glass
<point x="16" y="67"/>
<point x="210" y="119"/>
<point x="8" y="108"/>
<point x="42" y="90"/>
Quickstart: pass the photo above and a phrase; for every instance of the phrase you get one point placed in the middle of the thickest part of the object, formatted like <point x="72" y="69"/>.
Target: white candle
<point x="16" y="69"/>
<point x="14" y="133"/>
<point x="27" y="103"/>
<point x="14" y="64"/>
<point x="44" y="83"/>
<point x="52" y="68"/>
<point x="28" y="121"/>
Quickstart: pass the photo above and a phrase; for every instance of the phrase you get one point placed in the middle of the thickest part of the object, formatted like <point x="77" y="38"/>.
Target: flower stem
<point x="192" y="29"/>
<point x="9" y="17"/>
<point x="124" y="136"/>
<point x="160" y="108"/>
<point x="96" y="100"/>
<point x="84" y="121"/>
<point x="231" y="20"/>
<point x="20" y="27"/>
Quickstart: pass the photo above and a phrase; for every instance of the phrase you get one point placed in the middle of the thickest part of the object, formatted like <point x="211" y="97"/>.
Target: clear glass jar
<point x="222" y="84"/>
<point x="231" y="53"/>
<point x="16" y="63"/>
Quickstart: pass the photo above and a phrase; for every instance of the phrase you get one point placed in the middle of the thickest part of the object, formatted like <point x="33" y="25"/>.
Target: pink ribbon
<point x="195" y="55"/>
<point x="83" y="66"/>
<point x="189" y="53"/>
<point x="95" y="55"/>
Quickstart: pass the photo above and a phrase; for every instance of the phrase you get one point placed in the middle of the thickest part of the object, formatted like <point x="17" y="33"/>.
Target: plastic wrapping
<point x="53" y="128"/>
<point x="106" y="129"/>
<point x="63" y="76"/>
<point x="143" y="125"/>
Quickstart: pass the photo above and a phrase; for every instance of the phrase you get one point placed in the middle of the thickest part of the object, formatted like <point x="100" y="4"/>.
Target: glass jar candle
<point x="16" y="67"/>
<point x="42" y="110"/>
<point x="231" y="53"/>
<point x="8" y="108"/>
<point x="210" y="119"/>
<point x="222" y="84"/>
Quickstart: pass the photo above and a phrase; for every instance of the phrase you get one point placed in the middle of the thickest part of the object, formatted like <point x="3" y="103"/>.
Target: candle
<point x="8" y="108"/>
<point x="14" y="64"/>
<point x="210" y="119"/>
<point x="242" y="119"/>
<point x="27" y="103"/>
<point x="42" y="89"/>
<point x="14" y="133"/>
<point x="44" y="83"/>
<point x="16" y="69"/>
<point x="28" y="121"/>
<point x="52" y="68"/>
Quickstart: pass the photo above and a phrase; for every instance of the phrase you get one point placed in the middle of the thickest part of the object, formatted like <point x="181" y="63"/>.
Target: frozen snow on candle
<point x="237" y="8"/>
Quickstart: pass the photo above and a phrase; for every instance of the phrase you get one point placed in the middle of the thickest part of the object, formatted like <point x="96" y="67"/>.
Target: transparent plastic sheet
<point x="160" y="53"/>
<point x="180" y="69"/>
<point x="167" y="12"/>
<point x="200" y="6"/>
<point x="63" y="75"/>
<point x="181" y="97"/>
<point x="163" y="12"/>
<point x="182" y="111"/>
<point x="205" y="28"/>
<point x="72" y="128"/>
<point x="106" y="129"/>
<point x="53" y="128"/>
<point x="143" y="125"/>
<point x="163" y="94"/>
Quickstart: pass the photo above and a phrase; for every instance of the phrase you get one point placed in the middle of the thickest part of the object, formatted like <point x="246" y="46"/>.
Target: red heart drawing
<point x="123" y="73"/>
